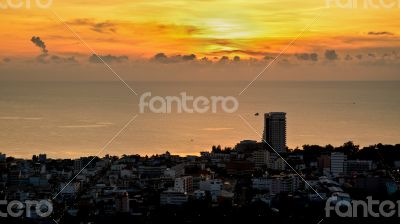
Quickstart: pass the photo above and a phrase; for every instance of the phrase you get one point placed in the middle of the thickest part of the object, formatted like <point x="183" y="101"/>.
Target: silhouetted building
<point x="42" y="158"/>
<point x="3" y="157"/>
<point x="261" y="158"/>
<point x="284" y="183"/>
<point x="122" y="202"/>
<point x="275" y="130"/>
<point x="184" y="184"/>
<point x="171" y="197"/>
<point x="358" y="166"/>
<point x="78" y="165"/>
<point x="239" y="167"/>
<point x="213" y="186"/>
<point x="338" y="160"/>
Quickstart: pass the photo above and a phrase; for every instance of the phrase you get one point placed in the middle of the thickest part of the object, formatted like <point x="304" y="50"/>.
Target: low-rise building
<point x="171" y="197"/>
<point x="358" y="166"/>
<point x="184" y="184"/>
<point x="213" y="186"/>
<point x="284" y="183"/>
<point x="260" y="183"/>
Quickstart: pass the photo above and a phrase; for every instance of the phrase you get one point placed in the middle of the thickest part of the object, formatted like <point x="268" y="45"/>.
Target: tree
<point x="35" y="158"/>
<point x="349" y="148"/>
<point x="216" y="149"/>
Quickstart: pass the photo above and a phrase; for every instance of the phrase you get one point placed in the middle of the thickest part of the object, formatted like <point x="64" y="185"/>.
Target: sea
<point x="77" y="119"/>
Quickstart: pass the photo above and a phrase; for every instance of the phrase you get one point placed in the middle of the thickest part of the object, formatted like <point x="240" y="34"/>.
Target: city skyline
<point x="199" y="111"/>
<point x="198" y="184"/>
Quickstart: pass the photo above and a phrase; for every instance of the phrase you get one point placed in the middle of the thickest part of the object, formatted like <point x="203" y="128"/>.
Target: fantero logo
<point x="26" y="4"/>
<point x="187" y="104"/>
<point x="361" y="208"/>
<point x="27" y="208"/>
<point x="366" y="4"/>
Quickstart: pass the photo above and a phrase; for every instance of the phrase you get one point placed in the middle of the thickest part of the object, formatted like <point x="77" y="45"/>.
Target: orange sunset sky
<point x="129" y="33"/>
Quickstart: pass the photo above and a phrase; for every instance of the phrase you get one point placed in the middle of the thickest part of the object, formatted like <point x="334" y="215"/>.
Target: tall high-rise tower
<point x="275" y="130"/>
